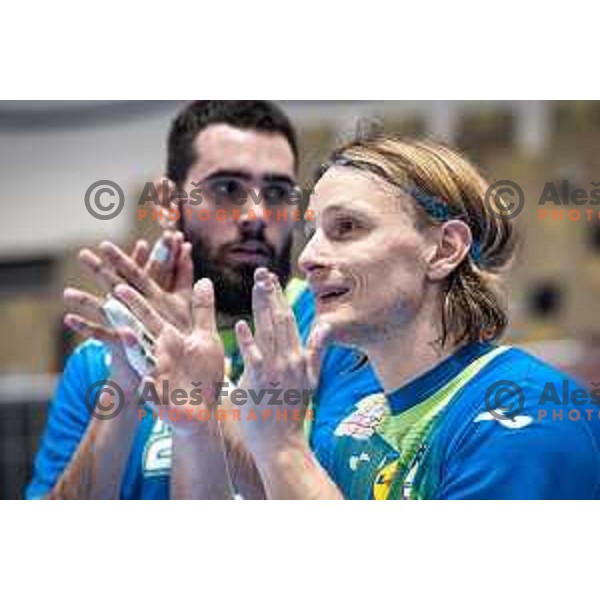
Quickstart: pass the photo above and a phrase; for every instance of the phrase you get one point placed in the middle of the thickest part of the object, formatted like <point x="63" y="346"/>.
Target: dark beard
<point x="233" y="282"/>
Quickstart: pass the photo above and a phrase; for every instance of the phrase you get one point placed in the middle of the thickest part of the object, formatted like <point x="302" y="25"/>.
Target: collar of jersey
<point x="427" y="384"/>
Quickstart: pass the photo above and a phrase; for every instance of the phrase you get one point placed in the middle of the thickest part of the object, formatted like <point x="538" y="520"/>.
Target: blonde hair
<point x="444" y="185"/>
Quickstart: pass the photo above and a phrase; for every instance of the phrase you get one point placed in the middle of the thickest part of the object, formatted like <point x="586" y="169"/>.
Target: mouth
<point x="328" y="295"/>
<point x="256" y="252"/>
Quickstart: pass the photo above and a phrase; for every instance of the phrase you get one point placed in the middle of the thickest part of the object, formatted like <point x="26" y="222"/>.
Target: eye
<point x="344" y="227"/>
<point x="276" y="193"/>
<point x="226" y="188"/>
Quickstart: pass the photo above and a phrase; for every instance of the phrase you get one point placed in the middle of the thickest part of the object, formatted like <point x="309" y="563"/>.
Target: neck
<point x="402" y="355"/>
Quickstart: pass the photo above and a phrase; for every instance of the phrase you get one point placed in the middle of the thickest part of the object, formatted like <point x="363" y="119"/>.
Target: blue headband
<point x="435" y="207"/>
<point x="440" y="211"/>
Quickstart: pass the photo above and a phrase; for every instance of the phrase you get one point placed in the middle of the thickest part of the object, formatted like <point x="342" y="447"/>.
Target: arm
<point x="95" y="456"/>
<point x="292" y="472"/>
<point x="68" y="417"/>
<point x="287" y="466"/>
<point x="199" y="464"/>
<point x="66" y="463"/>
<point x="96" y="469"/>
<point x="200" y="467"/>
<point x="195" y="470"/>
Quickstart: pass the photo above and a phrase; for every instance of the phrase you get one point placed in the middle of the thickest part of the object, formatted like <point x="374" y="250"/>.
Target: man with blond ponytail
<point x="405" y="263"/>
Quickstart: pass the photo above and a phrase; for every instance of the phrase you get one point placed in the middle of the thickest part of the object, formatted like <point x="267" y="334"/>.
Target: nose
<point x="312" y="258"/>
<point x="252" y="218"/>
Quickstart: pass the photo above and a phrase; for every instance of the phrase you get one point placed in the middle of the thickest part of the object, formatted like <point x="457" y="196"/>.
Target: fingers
<point x="128" y="337"/>
<point x="249" y="350"/>
<point x="139" y="354"/>
<point x="164" y="258"/>
<point x="165" y="188"/>
<point x="318" y="339"/>
<point x="85" y="305"/>
<point x="140" y="253"/>
<point x="184" y="271"/>
<point x="285" y="313"/>
<point x="104" y="274"/>
<point x="276" y="329"/>
<point x="88" y="329"/>
<point x="203" y="307"/>
<point x="141" y="308"/>
<point x="261" y="308"/>
<point x="127" y="269"/>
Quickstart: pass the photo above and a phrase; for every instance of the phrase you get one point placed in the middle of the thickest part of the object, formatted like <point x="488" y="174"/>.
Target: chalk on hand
<point x="140" y="356"/>
<point x="160" y="252"/>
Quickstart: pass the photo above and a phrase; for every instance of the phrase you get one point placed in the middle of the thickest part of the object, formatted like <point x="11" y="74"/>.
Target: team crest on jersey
<point x="368" y="414"/>
<point x="158" y="451"/>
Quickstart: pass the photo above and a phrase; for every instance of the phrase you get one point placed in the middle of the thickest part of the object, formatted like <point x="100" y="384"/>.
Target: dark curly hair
<point x="258" y="115"/>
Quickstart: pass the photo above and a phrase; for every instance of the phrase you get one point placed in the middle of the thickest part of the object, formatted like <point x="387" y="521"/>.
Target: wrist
<point x="125" y="380"/>
<point x="281" y="452"/>
<point x="194" y="422"/>
<point x="115" y="402"/>
<point x="195" y="430"/>
<point x="292" y="471"/>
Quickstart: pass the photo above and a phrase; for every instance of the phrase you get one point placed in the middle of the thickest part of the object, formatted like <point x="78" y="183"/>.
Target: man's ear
<point x="454" y="240"/>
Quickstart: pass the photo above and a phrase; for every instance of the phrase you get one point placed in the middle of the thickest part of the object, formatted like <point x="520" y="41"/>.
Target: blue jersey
<point x="488" y="422"/>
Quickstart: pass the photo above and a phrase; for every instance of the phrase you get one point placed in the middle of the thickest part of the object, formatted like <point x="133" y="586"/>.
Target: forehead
<point x="358" y="190"/>
<point x="222" y="147"/>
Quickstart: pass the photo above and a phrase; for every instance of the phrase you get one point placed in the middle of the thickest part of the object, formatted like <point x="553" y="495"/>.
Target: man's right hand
<point x="96" y="468"/>
<point x="163" y="276"/>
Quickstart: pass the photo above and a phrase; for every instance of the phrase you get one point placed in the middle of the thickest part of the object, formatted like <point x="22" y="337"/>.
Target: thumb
<point x="318" y="339"/>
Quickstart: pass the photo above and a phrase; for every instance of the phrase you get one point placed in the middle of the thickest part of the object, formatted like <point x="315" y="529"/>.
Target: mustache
<point x="233" y="282"/>
<point x="252" y="243"/>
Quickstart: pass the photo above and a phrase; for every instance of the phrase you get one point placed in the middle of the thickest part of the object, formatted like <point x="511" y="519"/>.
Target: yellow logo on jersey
<point x="383" y="481"/>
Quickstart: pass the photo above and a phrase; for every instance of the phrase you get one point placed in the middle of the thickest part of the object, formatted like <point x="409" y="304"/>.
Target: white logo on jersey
<point x="516" y="422"/>
<point x="355" y="460"/>
<point x="158" y="451"/>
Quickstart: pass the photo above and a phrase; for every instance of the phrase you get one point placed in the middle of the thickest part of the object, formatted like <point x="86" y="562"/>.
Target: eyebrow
<point x="229" y="173"/>
<point x="276" y="178"/>
<point x="244" y="175"/>
<point x="342" y="208"/>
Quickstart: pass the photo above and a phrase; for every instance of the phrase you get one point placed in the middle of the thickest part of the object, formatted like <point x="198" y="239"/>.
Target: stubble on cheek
<point x="389" y="288"/>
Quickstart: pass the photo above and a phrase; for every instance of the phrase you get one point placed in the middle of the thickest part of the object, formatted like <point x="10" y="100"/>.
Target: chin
<point x="345" y="329"/>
